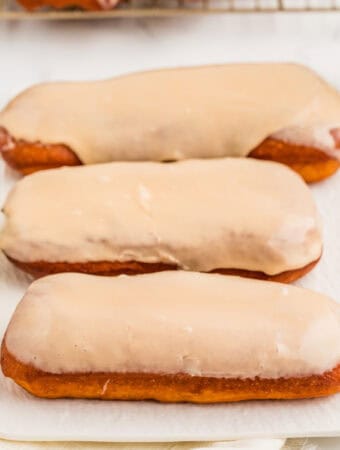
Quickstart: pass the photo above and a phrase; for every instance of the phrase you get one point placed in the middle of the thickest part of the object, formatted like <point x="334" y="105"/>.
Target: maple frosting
<point x="175" y="322"/>
<point x="196" y="214"/>
<point x="200" y="112"/>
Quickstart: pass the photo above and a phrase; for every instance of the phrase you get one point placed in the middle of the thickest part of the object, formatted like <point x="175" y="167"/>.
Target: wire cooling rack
<point x="9" y="9"/>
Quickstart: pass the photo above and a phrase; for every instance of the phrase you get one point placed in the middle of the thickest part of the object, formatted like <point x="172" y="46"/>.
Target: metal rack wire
<point x="9" y="9"/>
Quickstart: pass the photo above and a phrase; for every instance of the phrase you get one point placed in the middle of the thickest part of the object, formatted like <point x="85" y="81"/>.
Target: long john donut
<point x="172" y="337"/>
<point x="280" y="112"/>
<point x="89" y="5"/>
<point x="233" y="216"/>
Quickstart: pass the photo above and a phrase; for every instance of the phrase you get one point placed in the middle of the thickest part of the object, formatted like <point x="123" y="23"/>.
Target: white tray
<point x="23" y="417"/>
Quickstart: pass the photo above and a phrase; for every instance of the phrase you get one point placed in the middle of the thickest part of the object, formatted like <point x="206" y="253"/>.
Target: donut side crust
<point x="89" y="5"/>
<point x="165" y="388"/>
<point x="311" y="163"/>
<point x="109" y="268"/>
<point x="27" y="157"/>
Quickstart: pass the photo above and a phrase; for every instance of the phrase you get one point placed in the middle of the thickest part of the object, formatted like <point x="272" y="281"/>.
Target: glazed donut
<point x="280" y="112"/>
<point x="173" y="337"/>
<point x="233" y="216"/>
<point x="89" y="5"/>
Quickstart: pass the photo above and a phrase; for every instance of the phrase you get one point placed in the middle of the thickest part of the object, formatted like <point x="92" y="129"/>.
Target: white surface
<point x="34" y="52"/>
<point x="101" y="49"/>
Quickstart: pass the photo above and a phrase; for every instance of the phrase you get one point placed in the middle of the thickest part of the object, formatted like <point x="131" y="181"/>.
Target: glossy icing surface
<point x="197" y="214"/>
<point x="175" y="322"/>
<point x="201" y="112"/>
